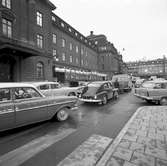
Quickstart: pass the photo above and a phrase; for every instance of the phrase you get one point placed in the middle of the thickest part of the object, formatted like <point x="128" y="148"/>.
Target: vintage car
<point x="153" y="91"/>
<point x="23" y="104"/>
<point x="98" y="92"/>
<point x="55" y="89"/>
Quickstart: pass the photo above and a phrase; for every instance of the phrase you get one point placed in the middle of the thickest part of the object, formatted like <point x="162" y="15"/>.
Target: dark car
<point x="99" y="92"/>
<point x="23" y="104"/>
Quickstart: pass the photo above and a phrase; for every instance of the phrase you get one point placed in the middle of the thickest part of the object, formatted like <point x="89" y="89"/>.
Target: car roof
<point x="14" y="85"/>
<point x="43" y="83"/>
<point x="157" y="81"/>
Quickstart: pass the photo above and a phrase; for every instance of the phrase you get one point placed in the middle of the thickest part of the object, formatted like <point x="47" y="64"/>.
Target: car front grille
<point x="87" y="97"/>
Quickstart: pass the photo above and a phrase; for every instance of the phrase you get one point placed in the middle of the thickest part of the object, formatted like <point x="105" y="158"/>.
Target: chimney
<point x="91" y="33"/>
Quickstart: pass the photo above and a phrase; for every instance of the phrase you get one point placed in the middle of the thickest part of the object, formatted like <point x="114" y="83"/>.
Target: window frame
<point x="39" y="69"/>
<point x="39" y="18"/>
<point x="54" y="38"/>
<point x="7" y="4"/>
<point x="40" y="41"/>
<point x="7" y="26"/>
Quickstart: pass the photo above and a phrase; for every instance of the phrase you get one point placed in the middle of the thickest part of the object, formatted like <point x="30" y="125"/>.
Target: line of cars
<point x="26" y="103"/>
<point x="154" y="91"/>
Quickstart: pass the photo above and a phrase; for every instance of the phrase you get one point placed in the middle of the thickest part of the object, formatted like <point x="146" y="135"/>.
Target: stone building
<point x="36" y="44"/>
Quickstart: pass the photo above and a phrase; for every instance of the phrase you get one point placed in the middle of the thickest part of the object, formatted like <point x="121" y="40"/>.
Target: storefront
<point x="73" y="76"/>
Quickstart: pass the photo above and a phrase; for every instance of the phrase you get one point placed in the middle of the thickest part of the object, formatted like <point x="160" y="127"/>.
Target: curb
<point x="109" y="151"/>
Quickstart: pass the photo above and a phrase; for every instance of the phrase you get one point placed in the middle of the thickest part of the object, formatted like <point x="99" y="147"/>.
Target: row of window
<point x="71" y="30"/>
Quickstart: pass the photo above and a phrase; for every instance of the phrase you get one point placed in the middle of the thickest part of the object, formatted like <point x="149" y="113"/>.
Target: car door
<point x="30" y="106"/>
<point x="7" y="112"/>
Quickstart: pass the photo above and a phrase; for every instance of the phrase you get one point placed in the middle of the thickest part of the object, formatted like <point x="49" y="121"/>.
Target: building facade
<point x="36" y="44"/>
<point x="109" y="60"/>
<point x="157" y="67"/>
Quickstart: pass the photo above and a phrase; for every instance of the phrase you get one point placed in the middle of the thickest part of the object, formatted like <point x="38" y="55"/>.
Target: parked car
<point x="55" y="89"/>
<point x="153" y="91"/>
<point x="124" y="80"/>
<point x="23" y="104"/>
<point x="99" y="92"/>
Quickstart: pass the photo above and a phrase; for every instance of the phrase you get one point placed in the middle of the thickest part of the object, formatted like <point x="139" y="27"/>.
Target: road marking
<point x="111" y="148"/>
<point x="88" y="153"/>
<point x="20" y="155"/>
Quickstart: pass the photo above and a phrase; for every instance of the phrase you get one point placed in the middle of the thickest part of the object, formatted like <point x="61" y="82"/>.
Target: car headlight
<point x="95" y="97"/>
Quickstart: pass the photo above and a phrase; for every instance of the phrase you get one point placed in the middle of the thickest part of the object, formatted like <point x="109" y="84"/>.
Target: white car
<point x="55" y="89"/>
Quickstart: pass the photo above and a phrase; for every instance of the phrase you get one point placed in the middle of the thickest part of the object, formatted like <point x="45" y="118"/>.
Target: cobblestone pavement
<point x="142" y="142"/>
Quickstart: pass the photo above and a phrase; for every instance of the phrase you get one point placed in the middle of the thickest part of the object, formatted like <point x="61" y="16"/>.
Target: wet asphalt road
<point x="89" y="119"/>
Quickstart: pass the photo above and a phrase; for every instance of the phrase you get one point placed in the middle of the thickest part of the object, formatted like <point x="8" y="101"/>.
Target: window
<point x="40" y="70"/>
<point x="63" y="42"/>
<point x="25" y="92"/>
<point x="39" y="19"/>
<point x="55" y="86"/>
<point x="62" y="24"/>
<point x="40" y="41"/>
<point x="54" y="52"/>
<point x="70" y="46"/>
<point x="7" y="27"/>
<point x="55" y="56"/>
<point x="54" y="38"/>
<point x="70" y="58"/>
<point x="63" y="56"/>
<point x="53" y="18"/>
<point x="81" y="51"/>
<point x="77" y="61"/>
<point x="44" y="87"/>
<point x="6" y="3"/>
<point x="82" y="62"/>
<point x="77" y="49"/>
<point x="5" y="95"/>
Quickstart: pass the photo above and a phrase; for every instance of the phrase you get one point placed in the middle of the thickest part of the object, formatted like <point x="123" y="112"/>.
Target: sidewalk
<point x="142" y="142"/>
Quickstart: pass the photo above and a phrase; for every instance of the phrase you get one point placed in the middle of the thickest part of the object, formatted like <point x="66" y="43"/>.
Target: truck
<point x="124" y="80"/>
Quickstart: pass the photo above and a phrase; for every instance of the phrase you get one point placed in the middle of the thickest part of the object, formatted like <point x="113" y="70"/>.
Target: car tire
<point x="71" y="94"/>
<point x="62" y="114"/>
<point x="163" y="101"/>
<point x="104" y="100"/>
<point x="116" y="95"/>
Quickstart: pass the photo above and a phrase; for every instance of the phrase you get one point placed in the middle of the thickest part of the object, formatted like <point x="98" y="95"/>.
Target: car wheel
<point x="71" y="94"/>
<point x="104" y="100"/>
<point x="62" y="114"/>
<point x="116" y="95"/>
<point x="163" y="101"/>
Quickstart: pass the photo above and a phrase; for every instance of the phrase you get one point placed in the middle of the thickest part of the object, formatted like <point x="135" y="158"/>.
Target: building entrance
<point x="6" y="69"/>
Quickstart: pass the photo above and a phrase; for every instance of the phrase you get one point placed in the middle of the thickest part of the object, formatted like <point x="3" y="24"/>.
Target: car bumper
<point x="144" y="97"/>
<point x="90" y="100"/>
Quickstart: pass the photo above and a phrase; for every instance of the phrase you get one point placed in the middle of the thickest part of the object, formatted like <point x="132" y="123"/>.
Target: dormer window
<point x="69" y="29"/>
<point x="53" y="18"/>
<point x="62" y="24"/>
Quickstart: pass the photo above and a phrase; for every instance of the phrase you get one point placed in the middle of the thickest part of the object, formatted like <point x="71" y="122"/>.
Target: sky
<point x="137" y="28"/>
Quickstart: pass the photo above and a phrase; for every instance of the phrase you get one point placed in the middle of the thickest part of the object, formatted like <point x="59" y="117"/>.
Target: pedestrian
<point x="116" y="83"/>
